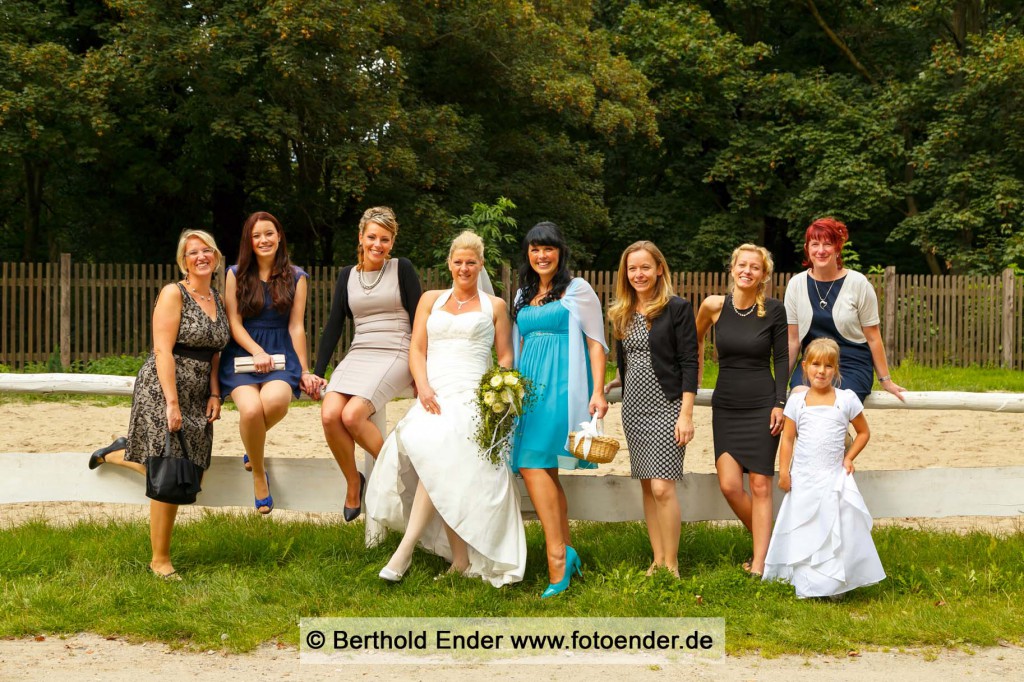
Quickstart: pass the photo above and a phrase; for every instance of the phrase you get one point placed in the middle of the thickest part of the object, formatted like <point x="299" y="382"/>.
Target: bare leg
<point x="340" y="441"/>
<point x="549" y="501"/>
<point x="259" y="409"/>
<point x="730" y="480"/>
<point x="653" y="527"/>
<point x="161" y="524"/>
<point x="420" y="515"/>
<point x="117" y="459"/>
<point x="667" y="506"/>
<point x="761" y="520"/>
<point x="356" y="417"/>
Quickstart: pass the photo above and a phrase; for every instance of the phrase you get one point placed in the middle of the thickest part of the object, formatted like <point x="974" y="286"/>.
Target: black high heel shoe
<point x="97" y="458"/>
<point x="352" y="513"/>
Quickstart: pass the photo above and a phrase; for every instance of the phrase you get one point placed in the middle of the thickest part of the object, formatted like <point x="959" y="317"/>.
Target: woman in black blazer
<point x="656" y="344"/>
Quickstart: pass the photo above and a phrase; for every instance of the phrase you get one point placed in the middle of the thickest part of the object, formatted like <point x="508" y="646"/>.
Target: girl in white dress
<point x="430" y="480"/>
<point x="822" y="539"/>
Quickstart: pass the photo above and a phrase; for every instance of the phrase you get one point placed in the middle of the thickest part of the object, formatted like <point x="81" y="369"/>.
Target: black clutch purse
<point x="170" y="479"/>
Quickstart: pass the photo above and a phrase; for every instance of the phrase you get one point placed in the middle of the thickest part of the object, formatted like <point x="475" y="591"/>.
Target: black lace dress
<point x="199" y="336"/>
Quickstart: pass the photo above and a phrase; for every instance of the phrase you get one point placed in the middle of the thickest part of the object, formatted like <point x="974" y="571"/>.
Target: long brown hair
<point x="249" y="289"/>
<point x="621" y="311"/>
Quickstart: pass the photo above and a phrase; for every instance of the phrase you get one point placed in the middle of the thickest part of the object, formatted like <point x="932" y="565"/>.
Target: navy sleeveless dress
<point x="270" y="330"/>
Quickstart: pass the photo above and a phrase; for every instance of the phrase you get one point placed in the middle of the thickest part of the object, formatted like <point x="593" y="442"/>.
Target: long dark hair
<point x="249" y="289"/>
<point x="542" y="234"/>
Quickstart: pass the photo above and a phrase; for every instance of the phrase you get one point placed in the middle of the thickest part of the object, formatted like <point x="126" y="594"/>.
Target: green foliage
<point x="118" y="365"/>
<point x="48" y="585"/>
<point x="495" y="227"/>
<point x="698" y="125"/>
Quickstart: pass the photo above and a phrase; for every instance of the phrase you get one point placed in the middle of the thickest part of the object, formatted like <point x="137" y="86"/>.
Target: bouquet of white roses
<point x="502" y="396"/>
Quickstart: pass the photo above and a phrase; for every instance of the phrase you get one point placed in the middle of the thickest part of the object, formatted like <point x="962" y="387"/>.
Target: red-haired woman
<point x="265" y="298"/>
<point x="827" y="300"/>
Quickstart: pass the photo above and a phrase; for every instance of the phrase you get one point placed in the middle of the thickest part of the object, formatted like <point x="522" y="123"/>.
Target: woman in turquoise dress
<point x="559" y="342"/>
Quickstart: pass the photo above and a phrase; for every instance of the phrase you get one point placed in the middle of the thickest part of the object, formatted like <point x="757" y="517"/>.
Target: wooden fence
<point x="76" y="312"/>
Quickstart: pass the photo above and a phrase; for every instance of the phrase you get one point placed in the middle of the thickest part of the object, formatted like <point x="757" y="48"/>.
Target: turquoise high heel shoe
<point x="572" y="564"/>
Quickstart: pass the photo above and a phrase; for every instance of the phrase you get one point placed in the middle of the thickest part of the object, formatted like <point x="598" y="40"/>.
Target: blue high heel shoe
<point x="352" y="513"/>
<point x="267" y="501"/>
<point x="245" y="462"/>
<point x="572" y="564"/>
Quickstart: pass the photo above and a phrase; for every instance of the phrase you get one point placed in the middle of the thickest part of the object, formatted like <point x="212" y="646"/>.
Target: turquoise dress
<point x="542" y="431"/>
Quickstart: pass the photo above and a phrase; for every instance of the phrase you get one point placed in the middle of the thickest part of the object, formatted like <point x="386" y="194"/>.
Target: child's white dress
<point x="822" y="542"/>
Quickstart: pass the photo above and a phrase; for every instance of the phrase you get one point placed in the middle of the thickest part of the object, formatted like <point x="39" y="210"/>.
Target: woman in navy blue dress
<point x="265" y="298"/>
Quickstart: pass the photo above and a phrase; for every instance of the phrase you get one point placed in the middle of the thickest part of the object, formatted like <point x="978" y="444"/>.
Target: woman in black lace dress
<point x="177" y="387"/>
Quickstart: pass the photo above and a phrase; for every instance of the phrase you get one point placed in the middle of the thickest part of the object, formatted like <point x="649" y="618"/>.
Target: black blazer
<point x="408" y="287"/>
<point x="673" y="342"/>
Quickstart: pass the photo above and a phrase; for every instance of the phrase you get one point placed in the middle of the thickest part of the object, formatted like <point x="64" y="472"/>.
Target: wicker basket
<point x="602" y="448"/>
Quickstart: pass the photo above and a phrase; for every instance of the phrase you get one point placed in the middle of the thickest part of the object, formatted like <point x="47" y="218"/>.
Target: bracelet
<point x="780" y="403"/>
<point x="214" y="395"/>
<point x="884" y="379"/>
<point x="305" y="372"/>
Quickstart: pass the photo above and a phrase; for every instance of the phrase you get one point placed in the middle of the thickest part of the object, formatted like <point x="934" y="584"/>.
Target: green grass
<point x="252" y="579"/>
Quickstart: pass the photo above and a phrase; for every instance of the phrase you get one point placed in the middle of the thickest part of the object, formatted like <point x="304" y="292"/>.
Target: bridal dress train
<point x="477" y="499"/>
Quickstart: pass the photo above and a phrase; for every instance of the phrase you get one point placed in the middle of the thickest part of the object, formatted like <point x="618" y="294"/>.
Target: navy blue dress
<point x="855" y="364"/>
<point x="270" y="330"/>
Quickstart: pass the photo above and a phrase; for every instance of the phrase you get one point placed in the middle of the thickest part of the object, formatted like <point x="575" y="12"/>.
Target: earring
<point x="186" y="277"/>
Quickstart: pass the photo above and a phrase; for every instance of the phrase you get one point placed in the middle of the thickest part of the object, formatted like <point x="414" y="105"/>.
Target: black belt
<point x="201" y="354"/>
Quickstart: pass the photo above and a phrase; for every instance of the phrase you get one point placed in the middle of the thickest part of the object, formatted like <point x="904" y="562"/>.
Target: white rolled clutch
<point x="246" y="365"/>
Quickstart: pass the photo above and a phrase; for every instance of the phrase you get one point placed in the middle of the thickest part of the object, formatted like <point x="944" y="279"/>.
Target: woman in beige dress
<point x="380" y="295"/>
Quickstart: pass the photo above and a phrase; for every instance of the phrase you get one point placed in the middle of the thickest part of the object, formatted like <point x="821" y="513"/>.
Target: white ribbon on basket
<point x="588" y="432"/>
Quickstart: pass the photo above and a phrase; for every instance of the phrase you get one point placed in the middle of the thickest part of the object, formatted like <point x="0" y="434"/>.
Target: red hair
<point x="826" y="230"/>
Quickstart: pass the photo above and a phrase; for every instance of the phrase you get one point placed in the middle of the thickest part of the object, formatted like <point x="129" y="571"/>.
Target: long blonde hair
<point x="621" y="310"/>
<point x="766" y="277"/>
<point x="823" y="348"/>
<point x="381" y="215"/>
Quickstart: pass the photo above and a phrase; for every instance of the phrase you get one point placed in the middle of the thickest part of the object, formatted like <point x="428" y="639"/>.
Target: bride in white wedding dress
<point x="430" y="480"/>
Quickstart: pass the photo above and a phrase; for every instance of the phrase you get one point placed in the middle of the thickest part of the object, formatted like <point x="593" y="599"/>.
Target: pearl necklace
<point x="195" y="292"/>
<point x="208" y="297"/>
<point x="367" y="288"/>
<point x="823" y="300"/>
<point x="462" y="303"/>
<point x="749" y="310"/>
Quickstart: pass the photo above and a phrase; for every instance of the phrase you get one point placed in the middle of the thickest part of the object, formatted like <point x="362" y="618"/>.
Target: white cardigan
<point x="856" y="306"/>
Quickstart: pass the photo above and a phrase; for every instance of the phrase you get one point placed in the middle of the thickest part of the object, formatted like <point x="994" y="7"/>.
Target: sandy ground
<point x="900" y="440"/>
<point x="94" y="658"/>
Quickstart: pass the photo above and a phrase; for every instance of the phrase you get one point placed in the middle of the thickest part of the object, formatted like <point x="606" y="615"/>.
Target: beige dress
<point x="376" y="366"/>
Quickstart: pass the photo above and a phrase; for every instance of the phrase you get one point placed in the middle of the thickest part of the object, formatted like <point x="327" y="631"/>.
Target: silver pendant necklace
<point x="367" y="288"/>
<point x="200" y="296"/>
<point x="462" y="303"/>
<point x="195" y="292"/>
<point x="737" y="310"/>
<point x="823" y="300"/>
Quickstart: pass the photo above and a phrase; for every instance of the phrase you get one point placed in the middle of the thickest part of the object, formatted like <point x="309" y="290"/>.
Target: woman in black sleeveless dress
<point x="746" y="407"/>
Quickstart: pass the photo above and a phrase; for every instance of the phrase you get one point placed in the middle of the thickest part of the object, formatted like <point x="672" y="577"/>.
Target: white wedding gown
<point x="477" y="499"/>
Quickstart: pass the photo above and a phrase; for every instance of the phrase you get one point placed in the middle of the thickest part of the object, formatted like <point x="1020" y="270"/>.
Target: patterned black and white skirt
<point x="648" y="418"/>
